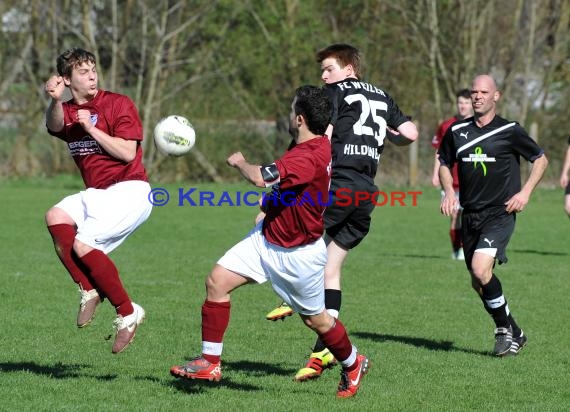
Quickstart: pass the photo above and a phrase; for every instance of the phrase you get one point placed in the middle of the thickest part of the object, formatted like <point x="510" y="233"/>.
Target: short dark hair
<point x="344" y="54"/>
<point x="72" y="58"/>
<point x="463" y="93"/>
<point x="313" y="104"/>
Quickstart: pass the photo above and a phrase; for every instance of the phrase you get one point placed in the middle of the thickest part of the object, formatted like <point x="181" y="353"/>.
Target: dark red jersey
<point x="297" y="202"/>
<point x="116" y="115"/>
<point x="436" y="142"/>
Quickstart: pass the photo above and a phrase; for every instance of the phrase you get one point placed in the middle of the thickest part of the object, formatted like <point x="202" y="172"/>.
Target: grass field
<point x="406" y="304"/>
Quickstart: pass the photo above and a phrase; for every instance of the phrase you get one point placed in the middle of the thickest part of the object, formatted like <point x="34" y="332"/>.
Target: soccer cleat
<point x="503" y="341"/>
<point x="126" y="328"/>
<point x="517" y="345"/>
<point x="350" y="381"/>
<point x="90" y="299"/>
<point x="198" y="368"/>
<point x="460" y="255"/>
<point x="318" y="362"/>
<point x="280" y="312"/>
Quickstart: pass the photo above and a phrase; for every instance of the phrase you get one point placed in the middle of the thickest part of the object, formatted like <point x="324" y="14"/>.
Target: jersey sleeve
<point x="524" y="145"/>
<point x="333" y="99"/>
<point x="395" y="115"/>
<point x="62" y="134"/>
<point x="126" y="123"/>
<point x="446" y="151"/>
<point x="294" y="170"/>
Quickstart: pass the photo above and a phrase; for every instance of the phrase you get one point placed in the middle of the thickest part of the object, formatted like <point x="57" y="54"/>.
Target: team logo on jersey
<point x="94" y="119"/>
<point x="479" y="159"/>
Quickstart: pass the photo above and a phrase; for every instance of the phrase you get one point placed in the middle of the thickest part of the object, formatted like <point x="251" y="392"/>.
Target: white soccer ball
<point x="174" y="135"/>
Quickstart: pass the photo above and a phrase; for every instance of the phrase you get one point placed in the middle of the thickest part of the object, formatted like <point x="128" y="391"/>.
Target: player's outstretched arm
<point x="55" y="87"/>
<point x="252" y="173"/>
<point x="407" y="133"/>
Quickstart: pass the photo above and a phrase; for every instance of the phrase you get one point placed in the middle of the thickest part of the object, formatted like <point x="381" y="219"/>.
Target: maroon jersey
<point x="116" y="115"/>
<point x="436" y="142"/>
<point x="296" y="204"/>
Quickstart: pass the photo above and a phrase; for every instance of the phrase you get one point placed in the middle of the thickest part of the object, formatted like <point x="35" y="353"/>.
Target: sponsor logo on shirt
<point x="479" y="159"/>
<point x="84" y="147"/>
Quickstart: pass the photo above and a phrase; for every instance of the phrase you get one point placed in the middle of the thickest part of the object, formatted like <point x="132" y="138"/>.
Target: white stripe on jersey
<point x="483" y="137"/>
<point x="460" y="125"/>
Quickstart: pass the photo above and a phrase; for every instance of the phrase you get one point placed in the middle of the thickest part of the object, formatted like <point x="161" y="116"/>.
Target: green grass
<point x="406" y="304"/>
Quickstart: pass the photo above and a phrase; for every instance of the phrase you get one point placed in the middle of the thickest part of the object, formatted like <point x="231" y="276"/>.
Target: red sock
<point x="215" y="320"/>
<point x="337" y="341"/>
<point x="104" y="272"/>
<point x="63" y="237"/>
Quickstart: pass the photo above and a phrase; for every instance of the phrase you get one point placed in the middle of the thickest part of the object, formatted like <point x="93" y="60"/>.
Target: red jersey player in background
<point x="103" y="132"/>
<point x="464" y="110"/>
<point x="286" y="247"/>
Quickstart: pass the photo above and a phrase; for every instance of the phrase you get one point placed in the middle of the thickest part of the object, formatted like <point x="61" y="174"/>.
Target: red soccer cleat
<point x="350" y="381"/>
<point x="198" y="368"/>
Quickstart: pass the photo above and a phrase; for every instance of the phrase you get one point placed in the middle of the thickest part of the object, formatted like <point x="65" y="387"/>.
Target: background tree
<point x="231" y="67"/>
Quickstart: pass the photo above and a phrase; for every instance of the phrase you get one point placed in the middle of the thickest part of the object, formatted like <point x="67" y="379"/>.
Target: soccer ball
<point x="174" y="135"/>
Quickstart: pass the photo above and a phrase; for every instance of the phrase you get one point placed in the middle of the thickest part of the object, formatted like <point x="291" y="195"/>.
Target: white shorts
<point x="105" y="217"/>
<point x="296" y="274"/>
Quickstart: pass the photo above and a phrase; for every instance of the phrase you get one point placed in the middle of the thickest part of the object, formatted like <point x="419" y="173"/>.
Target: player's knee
<point x="211" y="285"/>
<point x="217" y="285"/>
<point x="56" y="216"/>
<point x="52" y="216"/>
<point x="320" y="323"/>
<point x="481" y="274"/>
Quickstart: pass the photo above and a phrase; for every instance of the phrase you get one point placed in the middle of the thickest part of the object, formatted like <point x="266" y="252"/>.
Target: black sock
<point x="333" y="300"/>
<point x="516" y="329"/>
<point x="517" y="332"/>
<point x="495" y="302"/>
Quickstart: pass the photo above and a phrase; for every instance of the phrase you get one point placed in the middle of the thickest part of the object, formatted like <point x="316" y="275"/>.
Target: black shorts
<point x="567" y="192"/>
<point x="488" y="231"/>
<point x="345" y="221"/>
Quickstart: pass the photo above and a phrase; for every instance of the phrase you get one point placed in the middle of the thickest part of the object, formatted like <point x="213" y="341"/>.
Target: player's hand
<point x="516" y="203"/>
<point x="563" y="181"/>
<point x="55" y="87"/>
<point x="235" y="159"/>
<point x="84" y="119"/>
<point x="449" y="204"/>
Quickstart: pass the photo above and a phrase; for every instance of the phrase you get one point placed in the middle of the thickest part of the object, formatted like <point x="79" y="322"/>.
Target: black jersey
<point x="488" y="160"/>
<point x="361" y="112"/>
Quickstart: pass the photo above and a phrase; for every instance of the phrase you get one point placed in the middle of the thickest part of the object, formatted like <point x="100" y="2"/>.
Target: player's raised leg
<point x="63" y="230"/>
